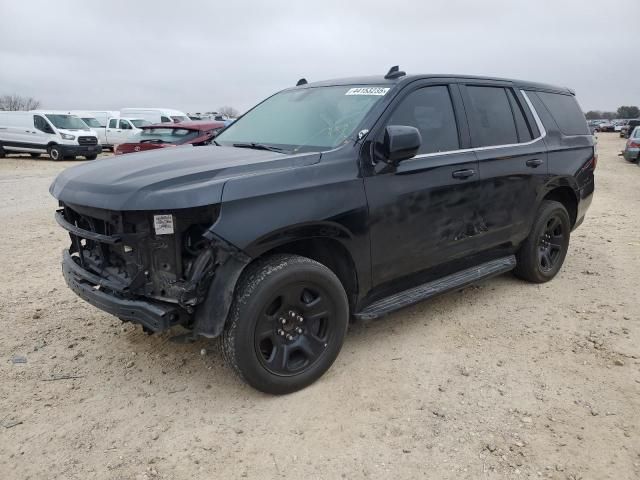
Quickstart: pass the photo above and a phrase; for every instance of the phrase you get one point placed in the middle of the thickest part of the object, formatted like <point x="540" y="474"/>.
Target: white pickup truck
<point x="118" y="130"/>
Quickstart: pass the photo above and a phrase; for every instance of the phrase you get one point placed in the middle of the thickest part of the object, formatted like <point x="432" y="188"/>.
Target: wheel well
<point x="51" y="144"/>
<point x="329" y="252"/>
<point x="567" y="197"/>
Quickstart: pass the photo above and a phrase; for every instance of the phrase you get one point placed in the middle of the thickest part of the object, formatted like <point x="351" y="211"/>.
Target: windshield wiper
<point x="258" y="146"/>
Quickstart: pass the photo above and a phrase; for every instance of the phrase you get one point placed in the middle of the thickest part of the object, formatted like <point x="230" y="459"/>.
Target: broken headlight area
<point x="159" y="255"/>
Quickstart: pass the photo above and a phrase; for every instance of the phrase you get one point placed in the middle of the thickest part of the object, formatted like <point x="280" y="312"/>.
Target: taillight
<point x="633" y="144"/>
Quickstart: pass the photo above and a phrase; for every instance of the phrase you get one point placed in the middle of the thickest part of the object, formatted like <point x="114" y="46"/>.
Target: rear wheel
<point x="91" y="157"/>
<point x="541" y="255"/>
<point x="287" y="323"/>
<point x="54" y="153"/>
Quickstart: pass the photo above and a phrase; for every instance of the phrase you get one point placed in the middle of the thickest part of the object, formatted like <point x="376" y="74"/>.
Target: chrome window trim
<point x="541" y="129"/>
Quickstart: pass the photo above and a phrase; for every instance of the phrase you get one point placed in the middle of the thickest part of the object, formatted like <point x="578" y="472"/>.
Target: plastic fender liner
<point x="211" y="315"/>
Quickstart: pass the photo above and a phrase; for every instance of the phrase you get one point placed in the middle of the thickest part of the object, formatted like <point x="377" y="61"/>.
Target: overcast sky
<point x="198" y="56"/>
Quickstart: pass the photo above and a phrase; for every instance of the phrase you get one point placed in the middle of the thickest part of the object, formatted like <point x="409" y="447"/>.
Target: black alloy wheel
<point x="295" y="328"/>
<point x="287" y="323"/>
<point x="551" y="243"/>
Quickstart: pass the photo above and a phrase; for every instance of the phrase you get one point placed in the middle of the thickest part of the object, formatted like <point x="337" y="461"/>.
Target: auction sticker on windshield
<point x="368" y="91"/>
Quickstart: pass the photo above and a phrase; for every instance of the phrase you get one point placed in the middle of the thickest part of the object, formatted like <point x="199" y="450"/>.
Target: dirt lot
<point x="501" y="380"/>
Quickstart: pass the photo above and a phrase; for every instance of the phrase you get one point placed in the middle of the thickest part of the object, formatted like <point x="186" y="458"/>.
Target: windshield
<point x="179" y="118"/>
<point x="140" y="123"/>
<point x="92" y="122"/>
<point x="167" y="135"/>
<point x="309" y="119"/>
<point x="68" y="122"/>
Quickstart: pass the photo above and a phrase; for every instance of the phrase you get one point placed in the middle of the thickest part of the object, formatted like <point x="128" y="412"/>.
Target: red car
<point x="171" y="135"/>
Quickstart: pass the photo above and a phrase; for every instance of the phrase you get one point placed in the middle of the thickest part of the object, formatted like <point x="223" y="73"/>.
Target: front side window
<point x="179" y="118"/>
<point x="124" y="125"/>
<point x="67" y="122"/>
<point x="306" y="119"/>
<point x="164" y="119"/>
<point x="41" y="124"/>
<point x="430" y="110"/>
<point x="491" y="118"/>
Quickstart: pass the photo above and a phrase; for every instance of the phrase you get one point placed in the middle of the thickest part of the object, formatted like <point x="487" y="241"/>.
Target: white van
<point x="94" y="124"/>
<point x="156" y="115"/>
<point x="38" y="131"/>
<point x="101" y="116"/>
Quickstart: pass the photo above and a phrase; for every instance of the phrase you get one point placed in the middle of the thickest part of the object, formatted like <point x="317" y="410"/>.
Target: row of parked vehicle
<point x="623" y="126"/>
<point x="68" y="134"/>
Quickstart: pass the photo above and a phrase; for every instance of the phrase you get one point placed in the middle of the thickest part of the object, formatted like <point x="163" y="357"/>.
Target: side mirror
<point x="400" y="143"/>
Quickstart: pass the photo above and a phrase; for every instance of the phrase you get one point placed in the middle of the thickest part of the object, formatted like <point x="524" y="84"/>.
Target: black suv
<point x="326" y="202"/>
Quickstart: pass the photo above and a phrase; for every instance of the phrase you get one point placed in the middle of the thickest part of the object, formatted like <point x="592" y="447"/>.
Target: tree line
<point x="625" y="111"/>
<point x="13" y="103"/>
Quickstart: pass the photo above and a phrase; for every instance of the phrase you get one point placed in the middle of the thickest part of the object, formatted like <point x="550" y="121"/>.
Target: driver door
<point x="423" y="212"/>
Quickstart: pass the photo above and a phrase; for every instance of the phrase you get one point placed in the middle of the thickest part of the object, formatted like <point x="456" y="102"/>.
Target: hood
<point x="166" y="178"/>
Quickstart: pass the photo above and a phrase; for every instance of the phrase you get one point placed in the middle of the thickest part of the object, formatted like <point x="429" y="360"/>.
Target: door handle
<point x="534" y="163"/>
<point x="462" y="174"/>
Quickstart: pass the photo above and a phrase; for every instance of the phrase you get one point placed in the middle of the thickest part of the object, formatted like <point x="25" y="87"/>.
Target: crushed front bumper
<point x="155" y="316"/>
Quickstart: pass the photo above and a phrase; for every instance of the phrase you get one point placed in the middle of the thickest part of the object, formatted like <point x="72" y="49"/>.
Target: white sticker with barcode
<point x="379" y="91"/>
<point x="163" y="224"/>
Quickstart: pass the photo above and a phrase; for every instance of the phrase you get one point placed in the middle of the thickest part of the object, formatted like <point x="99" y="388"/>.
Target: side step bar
<point x="460" y="279"/>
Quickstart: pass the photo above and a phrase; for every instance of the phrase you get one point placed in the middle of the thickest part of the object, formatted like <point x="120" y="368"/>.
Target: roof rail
<point x="302" y="81"/>
<point x="394" y="72"/>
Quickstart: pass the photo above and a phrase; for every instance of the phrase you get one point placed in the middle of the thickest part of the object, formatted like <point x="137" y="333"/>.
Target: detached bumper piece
<point x="93" y="289"/>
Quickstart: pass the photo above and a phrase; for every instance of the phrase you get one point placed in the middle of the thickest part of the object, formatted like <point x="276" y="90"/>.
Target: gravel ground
<point x="501" y="380"/>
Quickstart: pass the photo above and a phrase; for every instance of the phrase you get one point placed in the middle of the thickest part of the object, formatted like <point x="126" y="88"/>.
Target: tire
<point x="541" y="255"/>
<point x="34" y="155"/>
<point x="286" y="325"/>
<point x="2" y="152"/>
<point x="91" y="157"/>
<point x="54" y="153"/>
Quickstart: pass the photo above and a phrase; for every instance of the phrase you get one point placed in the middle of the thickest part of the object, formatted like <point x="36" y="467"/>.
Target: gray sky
<point x="198" y="56"/>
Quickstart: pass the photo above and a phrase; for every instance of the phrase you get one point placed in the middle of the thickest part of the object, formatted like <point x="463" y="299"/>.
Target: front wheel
<point x="287" y="323"/>
<point x="91" y="157"/>
<point x="54" y="153"/>
<point x="541" y="255"/>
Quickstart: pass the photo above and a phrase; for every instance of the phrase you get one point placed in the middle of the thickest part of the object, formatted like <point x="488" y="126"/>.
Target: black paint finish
<point x="400" y="225"/>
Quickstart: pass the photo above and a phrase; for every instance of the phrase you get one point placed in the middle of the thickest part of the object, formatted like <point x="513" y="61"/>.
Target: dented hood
<point x="171" y="178"/>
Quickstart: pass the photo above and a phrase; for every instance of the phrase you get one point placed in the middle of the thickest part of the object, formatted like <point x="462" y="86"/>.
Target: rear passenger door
<point x="512" y="159"/>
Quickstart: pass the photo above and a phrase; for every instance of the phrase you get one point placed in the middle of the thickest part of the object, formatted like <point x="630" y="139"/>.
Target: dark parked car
<point x="171" y="135"/>
<point x="328" y="201"/>
<point x="628" y="128"/>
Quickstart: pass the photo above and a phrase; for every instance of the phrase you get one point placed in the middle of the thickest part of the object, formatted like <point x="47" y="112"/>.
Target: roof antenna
<point x="394" y="72"/>
<point x="302" y="81"/>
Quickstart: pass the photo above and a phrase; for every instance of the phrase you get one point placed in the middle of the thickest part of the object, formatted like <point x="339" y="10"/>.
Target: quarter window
<point x="566" y="112"/>
<point x="430" y="110"/>
<point x="491" y="117"/>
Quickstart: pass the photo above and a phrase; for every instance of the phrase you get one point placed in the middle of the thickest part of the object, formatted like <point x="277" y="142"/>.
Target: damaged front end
<point x="153" y="268"/>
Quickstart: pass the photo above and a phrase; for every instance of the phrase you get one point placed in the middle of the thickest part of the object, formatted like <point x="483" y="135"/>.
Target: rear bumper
<point x="631" y="154"/>
<point x="80" y="150"/>
<point x="155" y="316"/>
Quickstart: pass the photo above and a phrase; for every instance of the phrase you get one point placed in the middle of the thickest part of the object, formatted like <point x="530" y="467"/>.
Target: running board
<point x="460" y="279"/>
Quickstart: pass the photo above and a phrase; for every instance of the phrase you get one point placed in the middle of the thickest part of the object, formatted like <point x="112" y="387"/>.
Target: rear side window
<point x="113" y="123"/>
<point x="41" y="124"/>
<point x="565" y="111"/>
<point x="492" y="121"/>
<point x="429" y="110"/>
